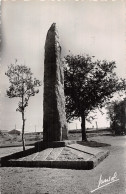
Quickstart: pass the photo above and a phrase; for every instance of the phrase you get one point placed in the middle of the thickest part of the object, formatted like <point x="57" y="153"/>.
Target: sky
<point x="95" y="28"/>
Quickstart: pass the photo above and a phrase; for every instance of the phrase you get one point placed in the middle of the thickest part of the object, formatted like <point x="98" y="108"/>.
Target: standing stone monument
<point x="54" y="119"/>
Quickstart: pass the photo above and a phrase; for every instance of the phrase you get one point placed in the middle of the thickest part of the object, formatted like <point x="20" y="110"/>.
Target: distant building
<point x="14" y="132"/>
<point x="4" y="131"/>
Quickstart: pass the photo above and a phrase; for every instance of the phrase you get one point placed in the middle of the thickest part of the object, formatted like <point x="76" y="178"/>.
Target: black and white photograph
<point x="63" y="96"/>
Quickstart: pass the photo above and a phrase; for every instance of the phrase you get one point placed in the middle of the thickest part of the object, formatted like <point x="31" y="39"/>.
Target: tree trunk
<point x="23" y="127"/>
<point x="83" y="128"/>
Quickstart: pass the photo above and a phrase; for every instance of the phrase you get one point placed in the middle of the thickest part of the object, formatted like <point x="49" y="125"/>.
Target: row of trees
<point x="88" y="84"/>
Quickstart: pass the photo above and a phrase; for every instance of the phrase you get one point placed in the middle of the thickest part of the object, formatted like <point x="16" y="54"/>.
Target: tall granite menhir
<point x="54" y="120"/>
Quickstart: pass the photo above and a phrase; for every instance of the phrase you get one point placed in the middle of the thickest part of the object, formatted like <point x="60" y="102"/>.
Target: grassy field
<point x="16" y="140"/>
<point x="10" y="144"/>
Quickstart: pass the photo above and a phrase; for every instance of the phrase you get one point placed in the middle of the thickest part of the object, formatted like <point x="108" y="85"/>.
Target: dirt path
<point x="10" y="150"/>
<point x="63" y="181"/>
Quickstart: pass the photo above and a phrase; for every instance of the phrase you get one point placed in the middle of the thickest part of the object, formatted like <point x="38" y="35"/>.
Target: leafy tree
<point x="88" y="84"/>
<point x="116" y="113"/>
<point x="22" y="86"/>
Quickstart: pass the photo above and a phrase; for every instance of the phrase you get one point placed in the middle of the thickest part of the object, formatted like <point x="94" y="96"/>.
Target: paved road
<point x="45" y="180"/>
